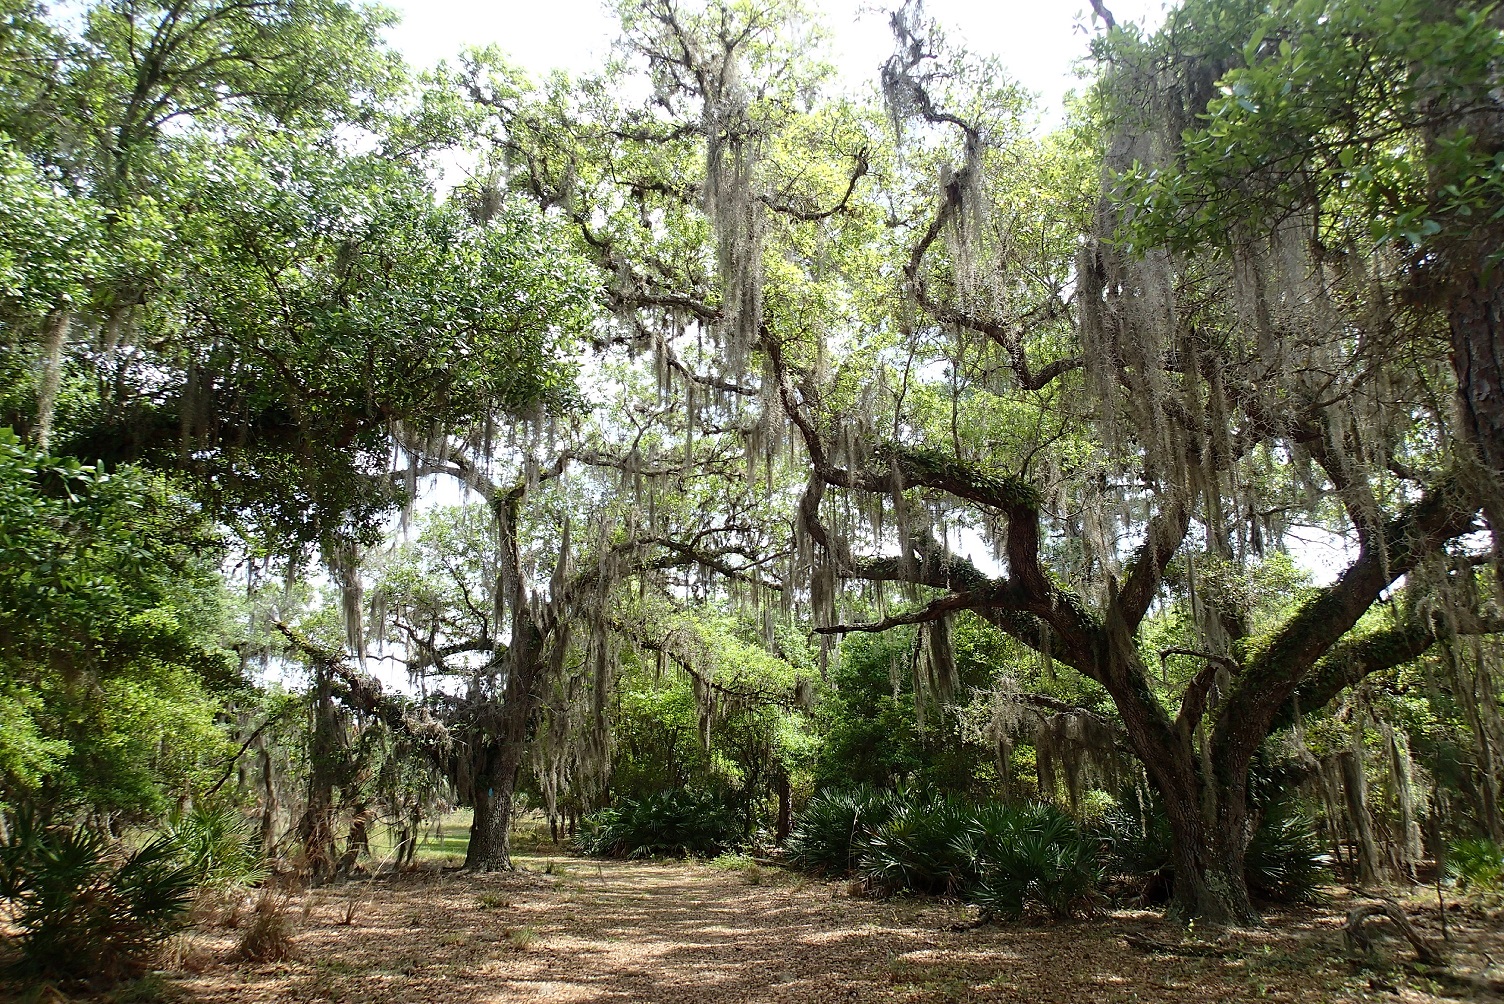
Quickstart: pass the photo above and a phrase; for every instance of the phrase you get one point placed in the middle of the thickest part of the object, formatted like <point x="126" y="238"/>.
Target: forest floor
<point x="566" y="929"/>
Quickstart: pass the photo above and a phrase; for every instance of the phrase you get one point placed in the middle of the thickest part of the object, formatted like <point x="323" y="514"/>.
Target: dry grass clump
<point x="522" y="938"/>
<point x="267" y="935"/>
<point x="187" y="952"/>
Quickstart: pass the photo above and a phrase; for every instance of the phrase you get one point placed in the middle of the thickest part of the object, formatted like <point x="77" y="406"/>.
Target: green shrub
<point x="1476" y="864"/>
<point x="218" y="844"/>
<point x="85" y="911"/>
<point x="1001" y="857"/>
<point x="830" y="830"/>
<point x="1139" y="841"/>
<point x="671" y="823"/>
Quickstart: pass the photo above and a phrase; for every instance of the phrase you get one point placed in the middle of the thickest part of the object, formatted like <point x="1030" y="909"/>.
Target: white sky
<point x="1039" y="42"/>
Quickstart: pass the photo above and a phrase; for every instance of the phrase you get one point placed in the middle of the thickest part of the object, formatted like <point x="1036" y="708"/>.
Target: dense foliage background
<point x="737" y="460"/>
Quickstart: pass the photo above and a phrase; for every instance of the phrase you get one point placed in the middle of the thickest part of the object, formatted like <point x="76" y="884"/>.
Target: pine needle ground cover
<point x="671" y="931"/>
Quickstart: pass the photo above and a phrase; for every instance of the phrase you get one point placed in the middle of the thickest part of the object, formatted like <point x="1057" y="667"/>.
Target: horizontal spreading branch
<point x="858" y="172"/>
<point x="1355" y="659"/>
<point x="363" y="692"/>
<point x="932" y="611"/>
<point x="1275" y="671"/>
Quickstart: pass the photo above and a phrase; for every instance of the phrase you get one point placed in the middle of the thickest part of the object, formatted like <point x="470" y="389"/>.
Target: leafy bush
<point x="1139" y="842"/>
<point x="1001" y="857"/>
<point x="85" y="912"/>
<point x="678" y="822"/>
<point x="1477" y="863"/>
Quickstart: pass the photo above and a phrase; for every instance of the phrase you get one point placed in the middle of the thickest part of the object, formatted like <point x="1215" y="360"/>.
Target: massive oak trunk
<point x="499" y="753"/>
<point x="1472" y="274"/>
<point x="490" y="831"/>
<point x="1207" y="812"/>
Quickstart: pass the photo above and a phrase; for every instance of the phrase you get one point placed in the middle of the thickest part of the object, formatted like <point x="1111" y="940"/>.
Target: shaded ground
<point x="567" y="929"/>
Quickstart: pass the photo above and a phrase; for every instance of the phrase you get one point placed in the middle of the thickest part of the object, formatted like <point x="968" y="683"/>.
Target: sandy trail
<point x="671" y="932"/>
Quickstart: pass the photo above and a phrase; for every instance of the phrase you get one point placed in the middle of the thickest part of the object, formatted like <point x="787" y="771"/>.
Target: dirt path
<point x="573" y="930"/>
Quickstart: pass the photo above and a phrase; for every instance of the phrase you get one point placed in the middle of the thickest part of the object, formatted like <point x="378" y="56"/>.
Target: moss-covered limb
<point x="678" y="554"/>
<point x="1030" y="630"/>
<point x="927" y="468"/>
<point x="1055" y="621"/>
<point x="1010" y="338"/>
<point x="1354" y="659"/>
<point x="934" y="610"/>
<point x="363" y="692"/>
<point x="1167" y="532"/>
<point x="1193" y="701"/>
<point x="1275" y="666"/>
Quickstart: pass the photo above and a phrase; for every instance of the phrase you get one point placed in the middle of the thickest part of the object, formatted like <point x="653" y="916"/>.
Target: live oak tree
<point x="715" y="343"/>
<point x="501" y="607"/>
<point x="995" y="359"/>
<point x="225" y="259"/>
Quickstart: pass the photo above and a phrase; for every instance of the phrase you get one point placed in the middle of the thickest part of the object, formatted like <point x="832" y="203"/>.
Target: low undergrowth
<point x="1477" y="864"/>
<point x="1008" y="859"/>
<point x="88" y="910"/>
<point x="1003" y="858"/>
<point x="674" y="823"/>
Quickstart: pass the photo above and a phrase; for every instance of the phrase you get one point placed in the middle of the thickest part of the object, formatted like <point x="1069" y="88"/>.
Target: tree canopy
<point x="736" y="430"/>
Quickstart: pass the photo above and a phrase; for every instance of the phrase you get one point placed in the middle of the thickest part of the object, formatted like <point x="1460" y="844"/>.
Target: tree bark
<point x="1476" y="316"/>
<point x="316" y="828"/>
<point x="1207" y="814"/>
<point x="785" y="807"/>
<point x="1208" y="839"/>
<point x="491" y="830"/>
<point x="1477" y="321"/>
<point x="1475" y="281"/>
<point x="269" y="800"/>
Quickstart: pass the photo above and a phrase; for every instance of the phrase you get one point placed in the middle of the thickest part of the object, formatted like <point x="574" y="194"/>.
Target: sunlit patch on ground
<point x="676" y="932"/>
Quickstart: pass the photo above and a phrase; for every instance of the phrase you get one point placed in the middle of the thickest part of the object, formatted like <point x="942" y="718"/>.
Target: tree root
<point x="1355" y="931"/>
